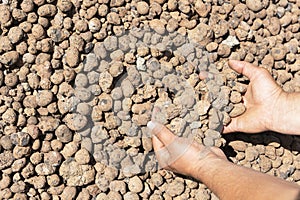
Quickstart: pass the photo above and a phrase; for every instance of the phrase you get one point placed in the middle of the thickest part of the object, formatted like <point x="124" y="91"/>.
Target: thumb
<point x="245" y="68"/>
<point x="246" y="122"/>
<point x="163" y="134"/>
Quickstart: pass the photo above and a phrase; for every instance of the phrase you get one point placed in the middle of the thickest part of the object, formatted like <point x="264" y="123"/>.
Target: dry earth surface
<point x="79" y="80"/>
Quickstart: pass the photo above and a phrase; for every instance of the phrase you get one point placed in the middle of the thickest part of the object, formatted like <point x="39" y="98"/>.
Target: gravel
<point x="79" y="81"/>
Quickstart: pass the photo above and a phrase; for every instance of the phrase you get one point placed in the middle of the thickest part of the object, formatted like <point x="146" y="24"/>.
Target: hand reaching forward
<point x="263" y="100"/>
<point x="178" y="154"/>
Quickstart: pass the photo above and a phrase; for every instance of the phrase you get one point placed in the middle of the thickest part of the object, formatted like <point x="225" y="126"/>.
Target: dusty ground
<point x="79" y="80"/>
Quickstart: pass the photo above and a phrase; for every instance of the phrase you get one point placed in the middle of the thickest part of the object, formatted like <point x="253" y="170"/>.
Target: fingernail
<point x="151" y="125"/>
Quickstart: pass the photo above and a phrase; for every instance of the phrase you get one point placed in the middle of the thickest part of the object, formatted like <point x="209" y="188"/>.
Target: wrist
<point x="284" y="113"/>
<point x="207" y="164"/>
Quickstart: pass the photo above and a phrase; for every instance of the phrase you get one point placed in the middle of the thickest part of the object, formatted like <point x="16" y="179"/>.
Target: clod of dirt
<point x="75" y="174"/>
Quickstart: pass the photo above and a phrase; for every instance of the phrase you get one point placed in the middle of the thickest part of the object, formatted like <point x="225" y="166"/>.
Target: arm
<point x="229" y="181"/>
<point x="209" y="165"/>
<point x="268" y="107"/>
<point x="287" y="121"/>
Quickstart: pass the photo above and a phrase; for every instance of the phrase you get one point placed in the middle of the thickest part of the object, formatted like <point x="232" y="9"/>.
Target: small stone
<point x="38" y="31"/>
<point x="212" y="46"/>
<point x="44" y="97"/>
<point x="82" y="156"/>
<point x="231" y="41"/>
<point x="15" y="34"/>
<point x="53" y="158"/>
<point x="63" y="133"/>
<point x="69" y="149"/>
<point x="5" y="16"/>
<point x="72" y="56"/>
<point x="237" y="110"/>
<point x="274" y="26"/>
<point x="251" y="154"/>
<point x="203" y="107"/>
<point x="235" y="97"/>
<point x="116" y="69"/>
<point x="9" y="58"/>
<point x="9" y="116"/>
<point x="278" y="53"/>
<point x="254" y="5"/>
<point x="64" y="5"/>
<point x="18" y="187"/>
<point x="202" y="8"/>
<point x="224" y="50"/>
<point x="44" y="169"/>
<point x="105" y="81"/>
<point x="6" y="142"/>
<point x="38" y="182"/>
<point x="21" y="138"/>
<point x="68" y="193"/>
<point x="265" y="164"/>
<point x="238" y="145"/>
<point x="75" y="121"/>
<point x="91" y="61"/>
<point x="48" y="123"/>
<point x="75" y="174"/>
<point x="142" y="8"/>
<point x="135" y="184"/>
<point x="105" y="102"/>
<point x="47" y="10"/>
<point x="176" y="187"/>
<point x="118" y="186"/>
<point x="6" y="159"/>
<point x="158" y="26"/>
<point x="131" y="196"/>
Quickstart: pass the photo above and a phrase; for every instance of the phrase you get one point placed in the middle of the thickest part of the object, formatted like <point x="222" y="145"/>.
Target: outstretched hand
<point x="178" y="154"/>
<point x="262" y="100"/>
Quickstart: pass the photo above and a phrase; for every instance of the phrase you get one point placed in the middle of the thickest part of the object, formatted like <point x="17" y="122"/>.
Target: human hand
<point x="263" y="100"/>
<point x="178" y="154"/>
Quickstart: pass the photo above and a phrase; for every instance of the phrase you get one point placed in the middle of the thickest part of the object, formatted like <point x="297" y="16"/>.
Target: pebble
<point x="47" y="10"/>
<point x="75" y="174"/>
<point x="82" y="157"/>
<point x="53" y="158"/>
<point x="176" y="187"/>
<point x="64" y="6"/>
<point x="15" y="34"/>
<point x="251" y="154"/>
<point x="6" y="159"/>
<point x="21" y="138"/>
<point x="237" y="110"/>
<point x="75" y="121"/>
<point x="278" y="53"/>
<point x="72" y="56"/>
<point x="158" y="26"/>
<point x="130" y="196"/>
<point x="238" y="145"/>
<point x="9" y="58"/>
<point x="142" y="7"/>
<point x="255" y="5"/>
<point x="43" y="169"/>
<point x="135" y="184"/>
<point x="44" y="98"/>
<point x="5" y="16"/>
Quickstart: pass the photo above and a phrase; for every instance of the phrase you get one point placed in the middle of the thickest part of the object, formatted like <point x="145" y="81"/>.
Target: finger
<point x="155" y="111"/>
<point x="161" y="132"/>
<point x="163" y="157"/>
<point x="231" y="127"/>
<point x="244" y="68"/>
<point x="205" y="75"/>
<point x="243" y="123"/>
<point x="157" y="144"/>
